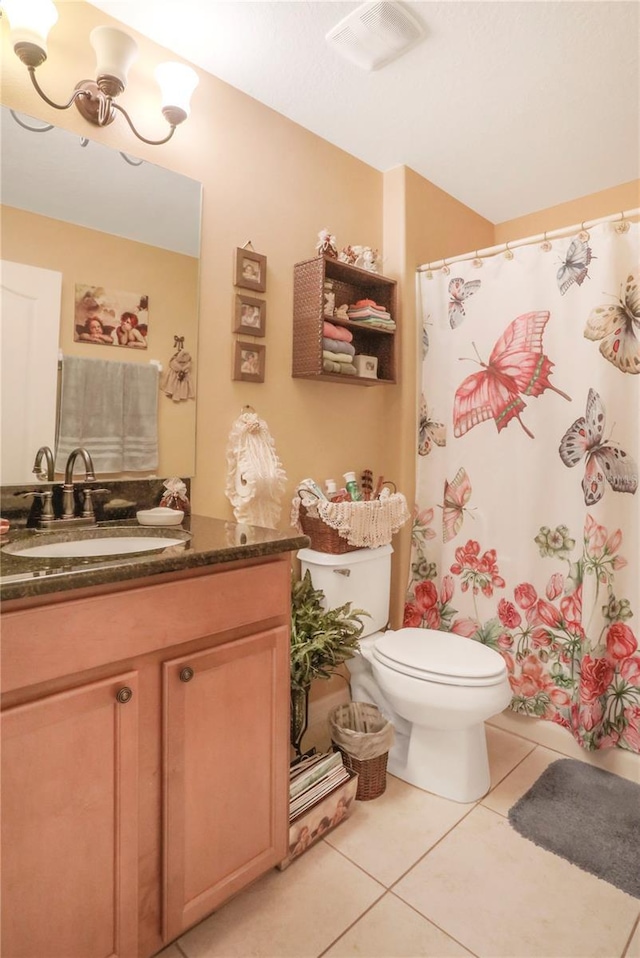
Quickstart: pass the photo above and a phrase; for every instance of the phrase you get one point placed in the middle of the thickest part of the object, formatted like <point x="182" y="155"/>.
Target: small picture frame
<point x="250" y="316"/>
<point x="248" y="363"/>
<point x="251" y="270"/>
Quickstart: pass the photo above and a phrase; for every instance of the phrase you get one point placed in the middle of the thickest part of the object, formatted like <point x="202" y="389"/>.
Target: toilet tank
<point x="362" y="578"/>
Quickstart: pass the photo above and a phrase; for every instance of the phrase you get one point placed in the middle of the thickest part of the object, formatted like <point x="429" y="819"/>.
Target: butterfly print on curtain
<point x="459" y="291"/>
<point x="517" y="366"/>
<point x="430" y="431"/>
<point x="604" y="460"/>
<point x="456" y="495"/>
<point x="575" y="264"/>
<point x="618" y="328"/>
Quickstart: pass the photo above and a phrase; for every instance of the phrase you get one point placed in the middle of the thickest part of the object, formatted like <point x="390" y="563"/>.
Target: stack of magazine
<point x="312" y="779"/>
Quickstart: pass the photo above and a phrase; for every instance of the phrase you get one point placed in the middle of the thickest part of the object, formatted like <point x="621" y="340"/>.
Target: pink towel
<point x="337" y="332"/>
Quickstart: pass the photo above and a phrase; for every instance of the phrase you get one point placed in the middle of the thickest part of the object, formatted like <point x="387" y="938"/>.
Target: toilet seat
<point x="442" y="657"/>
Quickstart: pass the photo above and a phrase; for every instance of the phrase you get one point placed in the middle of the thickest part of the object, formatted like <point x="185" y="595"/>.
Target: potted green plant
<point x="321" y="640"/>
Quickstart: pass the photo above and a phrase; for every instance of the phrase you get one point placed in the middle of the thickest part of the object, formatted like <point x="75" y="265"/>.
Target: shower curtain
<point x="526" y="532"/>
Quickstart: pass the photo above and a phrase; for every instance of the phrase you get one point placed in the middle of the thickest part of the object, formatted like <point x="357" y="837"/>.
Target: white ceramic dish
<point x="161" y="516"/>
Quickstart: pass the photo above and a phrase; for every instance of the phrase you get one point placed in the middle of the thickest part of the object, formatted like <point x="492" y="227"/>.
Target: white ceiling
<point x="510" y="106"/>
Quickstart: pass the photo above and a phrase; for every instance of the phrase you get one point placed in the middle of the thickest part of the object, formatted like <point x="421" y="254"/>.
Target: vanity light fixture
<point x="115" y="51"/>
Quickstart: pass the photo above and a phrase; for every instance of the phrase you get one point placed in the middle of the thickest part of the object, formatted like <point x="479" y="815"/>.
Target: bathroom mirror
<point x="104" y="219"/>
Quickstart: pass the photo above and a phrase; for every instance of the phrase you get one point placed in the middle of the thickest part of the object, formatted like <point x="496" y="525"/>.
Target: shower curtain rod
<point x="540" y="238"/>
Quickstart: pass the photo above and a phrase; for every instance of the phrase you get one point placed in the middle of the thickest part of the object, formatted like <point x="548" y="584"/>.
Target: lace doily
<point x="362" y="524"/>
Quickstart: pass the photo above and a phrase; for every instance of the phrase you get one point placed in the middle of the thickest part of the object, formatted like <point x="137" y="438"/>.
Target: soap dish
<point x="161" y="516"/>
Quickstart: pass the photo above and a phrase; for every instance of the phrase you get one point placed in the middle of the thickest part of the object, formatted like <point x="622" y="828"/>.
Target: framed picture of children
<point x="248" y="362"/>
<point x="250" y="315"/>
<point x="109" y="317"/>
<point x="250" y="270"/>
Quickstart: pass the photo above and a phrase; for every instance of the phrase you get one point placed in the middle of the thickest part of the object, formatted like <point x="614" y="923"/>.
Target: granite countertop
<point x="206" y="542"/>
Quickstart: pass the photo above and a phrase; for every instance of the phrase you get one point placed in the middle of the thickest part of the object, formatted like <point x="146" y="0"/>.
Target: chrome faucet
<point x="68" y="504"/>
<point x="47" y="475"/>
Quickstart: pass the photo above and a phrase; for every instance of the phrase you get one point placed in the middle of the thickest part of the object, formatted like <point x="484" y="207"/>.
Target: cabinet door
<point x="69" y="823"/>
<point x="226" y="772"/>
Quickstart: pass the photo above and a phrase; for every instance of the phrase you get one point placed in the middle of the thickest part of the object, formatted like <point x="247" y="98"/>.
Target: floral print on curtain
<point x="526" y="531"/>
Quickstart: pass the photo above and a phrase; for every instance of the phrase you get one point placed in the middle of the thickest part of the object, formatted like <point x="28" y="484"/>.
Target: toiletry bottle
<point x="352" y="486"/>
<point x="330" y="487"/>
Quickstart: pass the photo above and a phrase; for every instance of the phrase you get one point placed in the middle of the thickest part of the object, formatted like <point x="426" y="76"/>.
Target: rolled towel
<point x="329" y="366"/>
<point x="338" y="346"/>
<point x="337" y="357"/>
<point x="337" y="332"/>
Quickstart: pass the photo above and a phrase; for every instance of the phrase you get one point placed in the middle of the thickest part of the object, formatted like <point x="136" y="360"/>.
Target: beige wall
<point x="268" y="180"/>
<point x="604" y="203"/>
<point x="170" y="280"/>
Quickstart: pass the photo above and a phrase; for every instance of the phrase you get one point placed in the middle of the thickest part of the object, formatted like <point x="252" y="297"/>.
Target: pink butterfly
<point x="456" y="495"/>
<point x="459" y="291"/>
<point x="516" y="366"/>
<point x="604" y="460"/>
<point x="618" y="328"/>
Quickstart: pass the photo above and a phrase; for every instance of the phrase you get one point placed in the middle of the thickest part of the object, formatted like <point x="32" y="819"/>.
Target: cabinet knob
<point x="124" y="695"/>
<point x="186" y="675"/>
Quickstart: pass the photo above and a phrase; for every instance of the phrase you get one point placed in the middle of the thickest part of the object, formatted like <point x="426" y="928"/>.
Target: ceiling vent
<point x="375" y="33"/>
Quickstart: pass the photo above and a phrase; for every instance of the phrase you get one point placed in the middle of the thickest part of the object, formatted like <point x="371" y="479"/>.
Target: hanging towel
<point x="91" y="412"/>
<point x="140" y="420"/>
<point x="109" y="408"/>
<point x="255" y="477"/>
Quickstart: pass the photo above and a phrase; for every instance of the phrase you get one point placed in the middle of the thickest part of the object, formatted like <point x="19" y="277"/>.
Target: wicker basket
<point x="371" y="772"/>
<point x="360" y="729"/>
<point x="323" y="537"/>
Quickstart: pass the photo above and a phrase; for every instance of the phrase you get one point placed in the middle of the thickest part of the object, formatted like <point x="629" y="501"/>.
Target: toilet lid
<point x="440" y="656"/>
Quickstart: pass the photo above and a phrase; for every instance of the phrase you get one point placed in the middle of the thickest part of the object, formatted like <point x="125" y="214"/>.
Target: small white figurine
<point x="326" y="244"/>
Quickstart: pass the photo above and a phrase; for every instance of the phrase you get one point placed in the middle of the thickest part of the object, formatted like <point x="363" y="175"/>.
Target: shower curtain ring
<point x="623" y="225"/>
<point x="583" y="234"/>
<point x="507" y="253"/>
<point x="477" y="262"/>
<point x="545" y="245"/>
<point x="445" y="268"/>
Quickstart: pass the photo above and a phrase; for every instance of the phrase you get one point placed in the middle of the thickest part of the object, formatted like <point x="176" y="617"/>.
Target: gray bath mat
<point x="588" y="816"/>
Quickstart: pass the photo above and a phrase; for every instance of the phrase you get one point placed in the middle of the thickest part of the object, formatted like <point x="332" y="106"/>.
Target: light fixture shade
<point x="30" y="20"/>
<point x="177" y="83"/>
<point x="115" y="52"/>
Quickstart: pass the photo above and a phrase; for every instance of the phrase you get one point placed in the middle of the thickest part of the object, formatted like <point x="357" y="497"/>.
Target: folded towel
<point x="337" y="332"/>
<point x="110" y="409"/>
<point x="337" y="357"/>
<point x="338" y="346"/>
<point x="329" y="366"/>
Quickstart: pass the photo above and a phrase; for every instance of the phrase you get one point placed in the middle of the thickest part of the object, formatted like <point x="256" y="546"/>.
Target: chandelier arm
<point x="57" y="106"/>
<point x="116" y="106"/>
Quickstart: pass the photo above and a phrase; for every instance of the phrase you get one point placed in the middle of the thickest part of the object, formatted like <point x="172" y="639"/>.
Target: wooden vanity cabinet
<point x="221" y="826"/>
<point x="144" y="758"/>
<point x="70" y="823"/>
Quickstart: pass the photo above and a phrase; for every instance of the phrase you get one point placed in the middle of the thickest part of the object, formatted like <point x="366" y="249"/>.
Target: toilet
<point x="437" y="688"/>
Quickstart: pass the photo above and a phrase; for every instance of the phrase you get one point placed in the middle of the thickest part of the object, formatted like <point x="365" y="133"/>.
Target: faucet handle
<point x="46" y="498"/>
<point x="87" y="502"/>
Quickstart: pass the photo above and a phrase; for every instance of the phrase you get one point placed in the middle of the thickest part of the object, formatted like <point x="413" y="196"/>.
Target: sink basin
<point x="92" y="547"/>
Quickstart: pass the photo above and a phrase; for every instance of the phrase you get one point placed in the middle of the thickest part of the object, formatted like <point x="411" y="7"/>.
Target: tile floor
<point x="411" y="875"/>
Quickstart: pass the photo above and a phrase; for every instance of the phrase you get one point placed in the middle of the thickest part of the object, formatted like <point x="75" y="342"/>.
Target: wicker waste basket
<point x="364" y="736"/>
